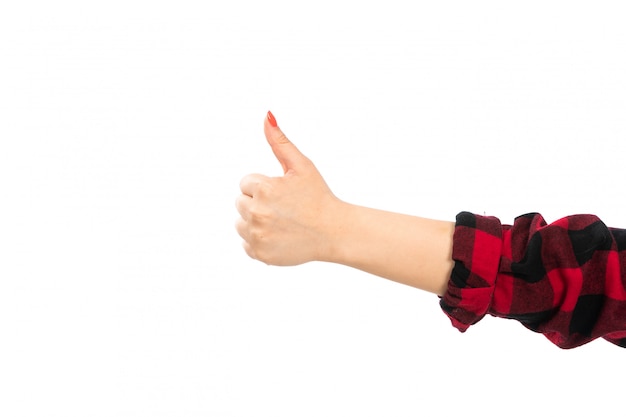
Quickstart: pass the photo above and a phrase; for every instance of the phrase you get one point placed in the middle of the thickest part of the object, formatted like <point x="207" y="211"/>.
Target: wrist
<point x="335" y="224"/>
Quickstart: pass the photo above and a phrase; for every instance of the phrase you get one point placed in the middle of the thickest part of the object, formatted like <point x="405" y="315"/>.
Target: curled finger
<point x="243" y="203"/>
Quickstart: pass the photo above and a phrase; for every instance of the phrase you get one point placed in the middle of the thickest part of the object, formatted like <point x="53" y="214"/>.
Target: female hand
<point x="286" y="220"/>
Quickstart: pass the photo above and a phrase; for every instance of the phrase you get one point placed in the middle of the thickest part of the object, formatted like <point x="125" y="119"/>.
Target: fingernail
<point x="271" y="119"/>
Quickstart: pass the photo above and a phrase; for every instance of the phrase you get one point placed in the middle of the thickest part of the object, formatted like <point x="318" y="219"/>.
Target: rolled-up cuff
<point x="476" y="251"/>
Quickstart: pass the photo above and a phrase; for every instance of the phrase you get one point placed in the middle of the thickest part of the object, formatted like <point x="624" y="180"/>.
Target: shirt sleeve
<point x="566" y="279"/>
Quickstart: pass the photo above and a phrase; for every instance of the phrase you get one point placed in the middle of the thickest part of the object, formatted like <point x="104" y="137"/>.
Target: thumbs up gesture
<point x="286" y="220"/>
<point x="295" y="219"/>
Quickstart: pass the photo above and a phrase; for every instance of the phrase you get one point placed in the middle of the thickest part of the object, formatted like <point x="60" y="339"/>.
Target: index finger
<point x="250" y="183"/>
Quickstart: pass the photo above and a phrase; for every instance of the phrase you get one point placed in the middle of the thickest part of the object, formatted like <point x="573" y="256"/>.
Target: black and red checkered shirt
<point x="566" y="279"/>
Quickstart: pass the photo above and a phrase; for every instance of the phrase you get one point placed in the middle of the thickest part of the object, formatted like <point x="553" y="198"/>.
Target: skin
<point x="294" y="219"/>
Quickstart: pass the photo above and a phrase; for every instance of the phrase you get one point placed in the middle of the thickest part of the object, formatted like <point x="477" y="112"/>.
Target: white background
<point x="125" y="127"/>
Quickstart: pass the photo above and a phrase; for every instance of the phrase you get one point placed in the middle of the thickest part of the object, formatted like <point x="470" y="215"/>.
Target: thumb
<point x="286" y="152"/>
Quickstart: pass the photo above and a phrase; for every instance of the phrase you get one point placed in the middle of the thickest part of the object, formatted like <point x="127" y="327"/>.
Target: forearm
<point x="295" y="218"/>
<point x="410" y="250"/>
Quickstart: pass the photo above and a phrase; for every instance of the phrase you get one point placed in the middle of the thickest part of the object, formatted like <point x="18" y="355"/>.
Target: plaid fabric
<point x="566" y="280"/>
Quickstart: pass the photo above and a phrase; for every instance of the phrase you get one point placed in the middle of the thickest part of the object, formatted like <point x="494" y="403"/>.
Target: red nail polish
<point x="271" y="119"/>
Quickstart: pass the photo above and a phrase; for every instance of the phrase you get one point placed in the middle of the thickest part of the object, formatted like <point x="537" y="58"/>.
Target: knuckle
<point x="263" y="256"/>
<point x="245" y="181"/>
<point x="282" y="139"/>
<point x="257" y="236"/>
<point x="264" y="189"/>
<point x="257" y="253"/>
<point x="257" y="215"/>
<point x="259" y="247"/>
